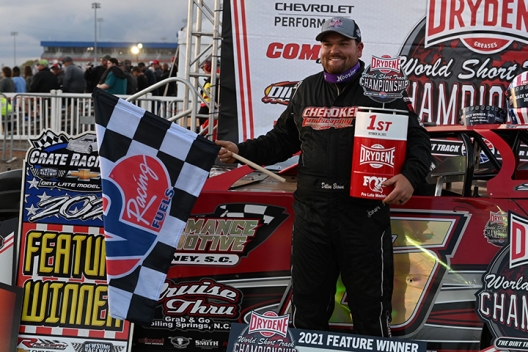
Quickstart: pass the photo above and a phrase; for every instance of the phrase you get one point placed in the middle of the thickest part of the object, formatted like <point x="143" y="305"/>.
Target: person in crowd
<point x="20" y="83"/>
<point x="127" y="65"/>
<point x="73" y="81"/>
<point x="28" y="75"/>
<point x="131" y="80"/>
<point x="6" y="83"/>
<point x="44" y="80"/>
<point x="333" y="233"/>
<point x="142" y="82"/>
<point x="206" y="93"/>
<point x="157" y="70"/>
<point x="114" y="80"/>
<point x="151" y="78"/>
<point x="169" y="89"/>
<point x="57" y="70"/>
<point x="93" y="75"/>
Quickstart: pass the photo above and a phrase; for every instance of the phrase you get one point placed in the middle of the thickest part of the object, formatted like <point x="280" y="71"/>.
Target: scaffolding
<point x="197" y="52"/>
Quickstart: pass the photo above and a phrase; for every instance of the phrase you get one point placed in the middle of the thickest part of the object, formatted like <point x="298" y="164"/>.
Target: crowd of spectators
<point x="117" y="77"/>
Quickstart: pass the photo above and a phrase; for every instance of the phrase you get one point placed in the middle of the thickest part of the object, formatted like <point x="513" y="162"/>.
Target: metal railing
<point x="31" y="113"/>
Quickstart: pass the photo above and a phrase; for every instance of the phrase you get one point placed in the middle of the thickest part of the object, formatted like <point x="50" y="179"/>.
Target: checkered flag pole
<point x="152" y="171"/>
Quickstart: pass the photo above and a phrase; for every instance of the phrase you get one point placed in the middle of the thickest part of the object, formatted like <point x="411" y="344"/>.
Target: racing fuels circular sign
<point x="503" y="300"/>
<point x="383" y="81"/>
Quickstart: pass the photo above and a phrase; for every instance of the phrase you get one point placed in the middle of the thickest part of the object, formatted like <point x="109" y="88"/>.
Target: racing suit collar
<point x="343" y="76"/>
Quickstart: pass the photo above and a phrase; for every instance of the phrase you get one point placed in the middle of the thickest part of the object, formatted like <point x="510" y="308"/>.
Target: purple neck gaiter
<point x="341" y="77"/>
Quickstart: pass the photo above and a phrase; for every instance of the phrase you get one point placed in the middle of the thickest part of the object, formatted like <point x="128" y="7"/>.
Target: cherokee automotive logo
<point x="137" y="210"/>
<point x="485" y="27"/>
<point x="376" y="156"/>
<point x="501" y="302"/>
<point x="323" y="118"/>
<point x="374" y="183"/>
<point x="268" y="324"/>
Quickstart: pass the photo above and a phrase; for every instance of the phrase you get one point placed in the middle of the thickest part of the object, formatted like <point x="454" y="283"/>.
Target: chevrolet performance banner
<point x="455" y="54"/>
<point x="152" y="171"/>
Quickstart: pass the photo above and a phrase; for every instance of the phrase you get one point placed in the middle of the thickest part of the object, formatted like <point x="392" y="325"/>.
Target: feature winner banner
<point x="455" y="54"/>
<point x="62" y="251"/>
<point x="270" y="333"/>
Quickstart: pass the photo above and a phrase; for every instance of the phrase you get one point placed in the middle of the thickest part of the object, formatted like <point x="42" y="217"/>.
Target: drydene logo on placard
<point x="376" y="156"/>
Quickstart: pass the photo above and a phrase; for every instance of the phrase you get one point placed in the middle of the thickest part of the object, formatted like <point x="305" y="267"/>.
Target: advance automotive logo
<point x="502" y="301"/>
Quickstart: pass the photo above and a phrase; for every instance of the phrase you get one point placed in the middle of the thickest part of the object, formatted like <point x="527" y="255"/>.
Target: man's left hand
<point x="402" y="191"/>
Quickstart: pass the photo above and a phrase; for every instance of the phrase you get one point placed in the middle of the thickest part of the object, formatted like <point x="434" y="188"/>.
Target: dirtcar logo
<point x="374" y="183"/>
<point x="376" y="156"/>
<point x="385" y="64"/>
<point x="279" y="93"/>
<point x="323" y="118"/>
<point x="268" y="324"/>
<point x="483" y="26"/>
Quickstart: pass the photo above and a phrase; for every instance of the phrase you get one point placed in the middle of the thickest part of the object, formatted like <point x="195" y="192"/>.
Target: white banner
<point x="466" y="63"/>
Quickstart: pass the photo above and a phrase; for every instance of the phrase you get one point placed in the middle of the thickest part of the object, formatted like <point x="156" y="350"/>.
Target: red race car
<point x="233" y="257"/>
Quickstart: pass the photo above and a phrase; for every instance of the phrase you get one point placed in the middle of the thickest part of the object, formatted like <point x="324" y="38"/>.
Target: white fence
<point x="25" y="116"/>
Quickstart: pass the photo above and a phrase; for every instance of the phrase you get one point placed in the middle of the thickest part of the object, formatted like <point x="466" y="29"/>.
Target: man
<point x="73" y="81"/>
<point x="43" y="81"/>
<point x="142" y="82"/>
<point x="151" y="78"/>
<point x="114" y="80"/>
<point x="20" y="83"/>
<point x="57" y="70"/>
<point x="333" y="232"/>
<point x="93" y="75"/>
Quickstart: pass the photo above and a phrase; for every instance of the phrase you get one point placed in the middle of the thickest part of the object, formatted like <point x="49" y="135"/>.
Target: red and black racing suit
<point x="333" y="232"/>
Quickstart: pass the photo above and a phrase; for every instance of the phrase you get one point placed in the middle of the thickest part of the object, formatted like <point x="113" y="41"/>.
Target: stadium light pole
<point x="95" y="6"/>
<point x="100" y="20"/>
<point x="14" y="34"/>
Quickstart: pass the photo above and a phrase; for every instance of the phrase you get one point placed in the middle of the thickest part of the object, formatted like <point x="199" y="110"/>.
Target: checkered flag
<point x="152" y="171"/>
<point x="48" y="139"/>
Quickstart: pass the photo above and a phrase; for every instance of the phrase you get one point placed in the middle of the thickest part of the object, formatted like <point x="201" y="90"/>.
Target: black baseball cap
<point x="342" y="25"/>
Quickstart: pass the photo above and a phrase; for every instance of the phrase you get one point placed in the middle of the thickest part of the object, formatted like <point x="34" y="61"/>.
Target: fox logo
<point x="374" y="183"/>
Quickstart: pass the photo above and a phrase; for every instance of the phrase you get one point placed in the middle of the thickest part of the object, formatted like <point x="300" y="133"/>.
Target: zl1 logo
<point x="374" y="183"/>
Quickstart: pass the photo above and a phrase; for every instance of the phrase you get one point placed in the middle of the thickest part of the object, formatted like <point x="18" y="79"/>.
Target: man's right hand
<point x="226" y="152"/>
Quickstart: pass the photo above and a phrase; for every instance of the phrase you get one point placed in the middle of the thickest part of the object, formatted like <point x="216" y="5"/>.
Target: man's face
<point x="339" y="53"/>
